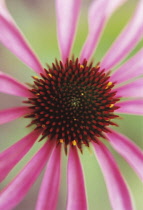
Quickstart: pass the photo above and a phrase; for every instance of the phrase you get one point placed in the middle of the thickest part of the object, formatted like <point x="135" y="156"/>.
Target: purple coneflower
<point x="72" y="104"/>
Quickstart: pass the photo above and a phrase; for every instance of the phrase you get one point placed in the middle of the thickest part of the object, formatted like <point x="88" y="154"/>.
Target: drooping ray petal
<point x="18" y="188"/>
<point x="99" y="13"/>
<point x="12" y="38"/>
<point x="126" y="40"/>
<point x="11" y="114"/>
<point x="117" y="189"/>
<point x="11" y="156"/>
<point x="10" y="85"/>
<point x="76" y="198"/>
<point x="67" y="18"/>
<point x="131" y="69"/>
<point x="50" y="186"/>
<point x="96" y="22"/>
<point x="125" y="147"/>
<point x="131" y="107"/>
<point x="133" y="89"/>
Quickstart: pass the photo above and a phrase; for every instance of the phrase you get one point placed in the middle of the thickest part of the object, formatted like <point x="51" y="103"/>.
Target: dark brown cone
<point x="73" y="103"/>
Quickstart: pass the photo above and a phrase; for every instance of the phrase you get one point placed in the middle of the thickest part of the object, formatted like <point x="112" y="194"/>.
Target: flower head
<point x="73" y="103"/>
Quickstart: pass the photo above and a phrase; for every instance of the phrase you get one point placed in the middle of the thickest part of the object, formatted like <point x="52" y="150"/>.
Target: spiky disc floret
<point x="73" y="103"/>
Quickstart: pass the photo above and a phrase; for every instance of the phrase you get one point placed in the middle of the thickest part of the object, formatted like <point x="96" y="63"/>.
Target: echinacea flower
<point x="72" y="104"/>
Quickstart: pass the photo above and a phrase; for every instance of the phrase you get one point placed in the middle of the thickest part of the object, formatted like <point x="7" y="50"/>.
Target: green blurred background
<point x="37" y="21"/>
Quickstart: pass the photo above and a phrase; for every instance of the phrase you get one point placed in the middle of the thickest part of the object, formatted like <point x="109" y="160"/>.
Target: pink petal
<point x="50" y="185"/>
<point x="18" y="188"/>
<point x="126" y="41"/>
<point x="12" y="38"/>
<point x="11" y="114"/>
<point x="99" y="13"/>
<point x="67" y="17"/>
<point x="76" y="190"/>
<point x="132" y="154"/>
<point x="11" y="86"/>
<point x="116" y="186"/>
<point x="131" y="69"/>
<point x="133" y="89"/>
<point x="96" y="12"/>
<point x="113" y="5"/>
<point x="131" y="107"/>
<point x="11" y="156"/>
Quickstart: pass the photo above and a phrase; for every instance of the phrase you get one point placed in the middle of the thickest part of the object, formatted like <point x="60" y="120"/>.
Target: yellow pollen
<point x="97" y="66"/>
<point x="82" y="94"/>
<point x="108" y="85"/>
<point x="111" y="105"/>
<point x="81" y="66"/>
<point x="61" y="141"/>
<point x="35" y="77"/>
<point x="43" y="126"/>
<point x="74" y="142"/>
<point x="50" y="75"/>
<point x="37" y="94"/>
